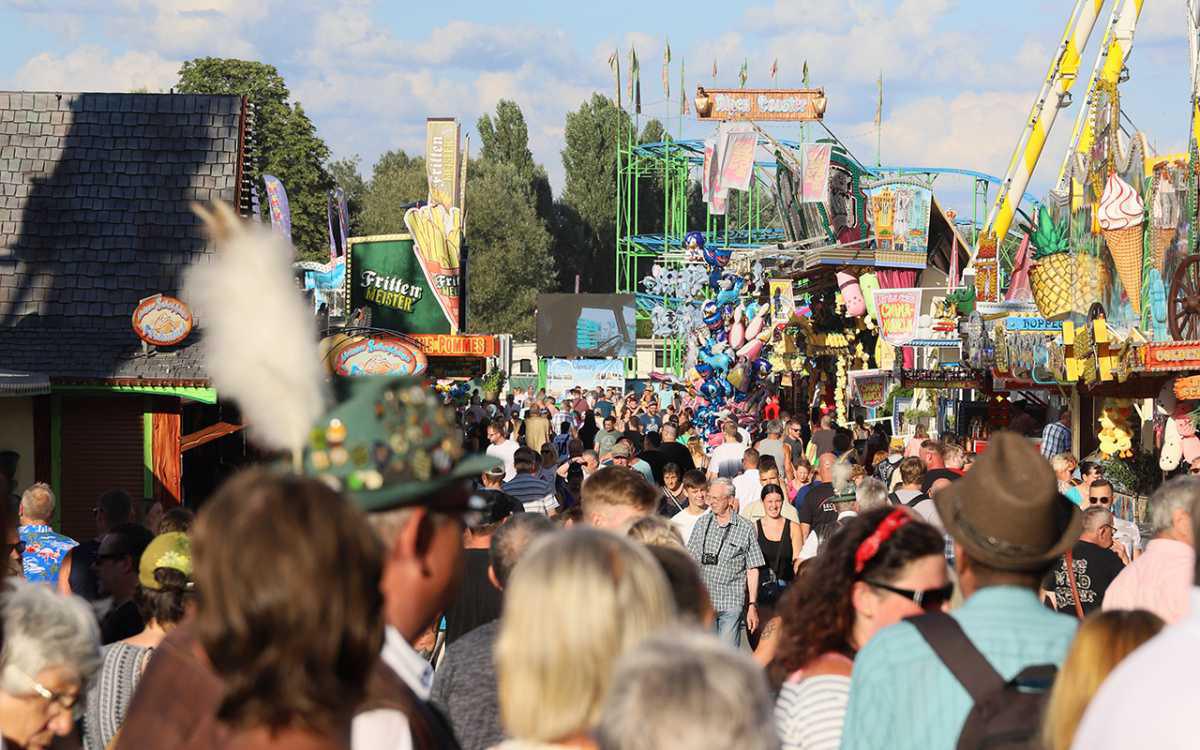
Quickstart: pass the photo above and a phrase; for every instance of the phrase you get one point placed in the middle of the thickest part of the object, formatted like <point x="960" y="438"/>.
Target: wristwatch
<point x="752" y="604"/>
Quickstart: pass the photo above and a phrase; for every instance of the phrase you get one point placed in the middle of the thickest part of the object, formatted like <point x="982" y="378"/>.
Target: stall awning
<point x="14" y="383"/>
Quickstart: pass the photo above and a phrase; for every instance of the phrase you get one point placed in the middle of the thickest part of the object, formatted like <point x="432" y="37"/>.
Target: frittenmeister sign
<point x="384" y="275"/>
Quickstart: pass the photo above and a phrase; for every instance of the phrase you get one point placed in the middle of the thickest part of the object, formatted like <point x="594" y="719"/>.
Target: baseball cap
<point x="172" y="550"/>
<point x="621" y="450"/>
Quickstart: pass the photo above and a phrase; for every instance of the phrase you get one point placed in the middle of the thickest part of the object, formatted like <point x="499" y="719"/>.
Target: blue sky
<point x="959" y="77"/>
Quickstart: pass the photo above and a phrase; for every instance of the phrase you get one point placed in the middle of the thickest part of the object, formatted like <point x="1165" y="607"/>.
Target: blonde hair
<point x="656" y="530"/>
<point x="37" y="502"/>
<point x="1063" y="461"/>
<point x="576" y="602"/>
<point x="1102" y="641"/>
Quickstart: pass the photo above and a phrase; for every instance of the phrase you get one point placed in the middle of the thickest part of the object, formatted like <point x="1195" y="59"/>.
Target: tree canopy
<point x="286" y="141"/>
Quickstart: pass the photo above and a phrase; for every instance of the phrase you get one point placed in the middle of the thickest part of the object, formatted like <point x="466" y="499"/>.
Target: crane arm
<point x="1110" y="62"/>
<point x="1056" y="87"/>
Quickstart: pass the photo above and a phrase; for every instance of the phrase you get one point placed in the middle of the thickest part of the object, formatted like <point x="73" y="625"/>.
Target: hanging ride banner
<point x="385" y="277"/>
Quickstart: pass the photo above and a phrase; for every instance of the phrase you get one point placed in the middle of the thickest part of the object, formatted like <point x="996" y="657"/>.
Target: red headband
<point x="870" y="546"/>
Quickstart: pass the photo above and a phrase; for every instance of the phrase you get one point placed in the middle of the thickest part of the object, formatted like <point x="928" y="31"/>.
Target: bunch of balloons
<point x="730" y="371"/>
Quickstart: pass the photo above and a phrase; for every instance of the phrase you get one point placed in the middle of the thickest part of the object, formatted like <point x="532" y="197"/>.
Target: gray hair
<point x="1180" y="493"/>
<point x="37" y="502"/>
<point x="725" y="482"/>
<point x="43" y="630"/>
<point x="1096" y="518"/>
<point x="687" y="690"/>
<point x="840" y="476"/>
<point x="774" y="427"/>
<point x="511" y="540"/>
<point x="871" y="494"/>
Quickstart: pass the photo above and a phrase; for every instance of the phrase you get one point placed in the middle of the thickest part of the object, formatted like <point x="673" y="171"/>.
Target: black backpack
<point x="1007" y="715"/>
<point x="912" y="503"/>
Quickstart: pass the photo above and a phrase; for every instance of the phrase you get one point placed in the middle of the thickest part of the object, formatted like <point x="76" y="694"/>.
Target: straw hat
<point x="1007" y="511"/>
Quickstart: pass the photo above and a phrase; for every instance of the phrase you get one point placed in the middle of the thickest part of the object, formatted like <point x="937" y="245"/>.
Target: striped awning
<point x="14" y="383"/>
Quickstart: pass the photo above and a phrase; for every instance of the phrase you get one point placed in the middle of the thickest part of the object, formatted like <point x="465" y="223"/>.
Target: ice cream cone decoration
<point x="1121" y="216"/>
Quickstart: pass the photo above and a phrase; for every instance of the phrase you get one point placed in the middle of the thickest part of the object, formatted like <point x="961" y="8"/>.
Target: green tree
<point x="509" y="259"/>
<point x="345" y="174"/>
<point x="287" y="144"/>
<point x="506" y="139"/>
<point x="590" y="161"/>
<point x="397" y="181"/>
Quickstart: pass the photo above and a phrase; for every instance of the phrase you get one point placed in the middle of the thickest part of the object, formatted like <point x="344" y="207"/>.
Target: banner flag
<point x="614" y="62"/>
<point x="667" y="71"/>
<point x="441" y="160"/>
<point x="683" y="99"/>
<point x="281" y="215"/>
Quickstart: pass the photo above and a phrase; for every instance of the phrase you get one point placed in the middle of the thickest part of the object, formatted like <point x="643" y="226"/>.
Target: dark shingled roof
<point x="94" y="215"/>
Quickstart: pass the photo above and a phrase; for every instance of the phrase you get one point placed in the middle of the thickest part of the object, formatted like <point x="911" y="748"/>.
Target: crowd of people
<point x="596" y="571"/>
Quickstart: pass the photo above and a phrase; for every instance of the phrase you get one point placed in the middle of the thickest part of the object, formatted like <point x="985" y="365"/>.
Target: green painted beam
<point x="148" y="451"/>
<point x="56" y="456"/>
<point x="201" y="395"/>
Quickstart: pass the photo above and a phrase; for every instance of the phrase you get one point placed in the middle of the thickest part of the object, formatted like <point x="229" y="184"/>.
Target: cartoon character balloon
<point x="693" y="244"/>
<point x="852" y="296"/>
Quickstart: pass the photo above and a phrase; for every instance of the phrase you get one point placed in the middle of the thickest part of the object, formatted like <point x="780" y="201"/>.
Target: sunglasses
<point x="1100" y="500"/>
<point x="929" y="600"/>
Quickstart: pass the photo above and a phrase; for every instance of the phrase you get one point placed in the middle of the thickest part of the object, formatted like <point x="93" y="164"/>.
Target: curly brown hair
<point x="818" y="611"/>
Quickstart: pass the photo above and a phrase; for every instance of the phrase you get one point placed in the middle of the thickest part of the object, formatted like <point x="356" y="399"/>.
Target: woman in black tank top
<point x="778" y="538"/>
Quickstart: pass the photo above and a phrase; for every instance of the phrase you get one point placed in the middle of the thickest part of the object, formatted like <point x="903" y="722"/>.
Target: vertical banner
<point x="783" y="308"/>
<point x="441" y="160"/>
<point x="339" y="223"/>
<point x="814" y="181"/>
<point x="737" y="161"/>
<point x="437" y="228"/>
<point x="277" y="202"/>
<point x="899" y="310"/>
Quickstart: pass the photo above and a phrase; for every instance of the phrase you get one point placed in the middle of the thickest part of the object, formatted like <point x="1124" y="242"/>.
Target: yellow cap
<point x="172" y="550"/>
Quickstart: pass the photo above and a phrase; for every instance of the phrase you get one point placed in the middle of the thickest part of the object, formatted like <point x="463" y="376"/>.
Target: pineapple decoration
<point x="1052" y="274"/>
<point x="1062" y="281"/>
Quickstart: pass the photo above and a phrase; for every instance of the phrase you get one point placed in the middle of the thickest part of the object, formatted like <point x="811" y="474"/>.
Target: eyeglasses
<point x="17" y="547"/>
<point x="1111" y="529"/>
<point x="64" y="701"/>
<point x="1101" y="500"/>
<point x="928" y="600"/>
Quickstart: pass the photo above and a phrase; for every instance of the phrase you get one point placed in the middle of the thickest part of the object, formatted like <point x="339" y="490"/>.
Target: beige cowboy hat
<point x="1007" y="511"/>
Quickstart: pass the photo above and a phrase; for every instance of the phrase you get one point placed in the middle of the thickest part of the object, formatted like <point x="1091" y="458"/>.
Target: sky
<point x="959" y="77"/>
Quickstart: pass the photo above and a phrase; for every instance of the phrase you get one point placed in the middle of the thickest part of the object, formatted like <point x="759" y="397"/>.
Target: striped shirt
<point x="533" y="491"/>
<point x="809" y="713"/>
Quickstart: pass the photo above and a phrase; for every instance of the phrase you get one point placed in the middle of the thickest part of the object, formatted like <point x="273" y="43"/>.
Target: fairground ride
<point x="658" y="204"/>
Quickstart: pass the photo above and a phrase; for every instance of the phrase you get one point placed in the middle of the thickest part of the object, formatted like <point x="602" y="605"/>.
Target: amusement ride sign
<point x="161" y="320"/>
<point x="788" y="105"/>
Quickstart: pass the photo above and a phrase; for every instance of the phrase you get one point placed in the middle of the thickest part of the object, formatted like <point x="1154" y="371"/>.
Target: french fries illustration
<point x="437" y="232"/>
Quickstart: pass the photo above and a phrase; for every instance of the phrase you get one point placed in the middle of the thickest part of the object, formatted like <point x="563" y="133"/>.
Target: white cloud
<point x="92" y="68"/>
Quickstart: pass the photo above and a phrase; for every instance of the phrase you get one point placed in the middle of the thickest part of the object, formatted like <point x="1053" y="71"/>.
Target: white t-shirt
<point x="685" y="522"/>
<point x="726" y="459"/>
<point x="504" y="451"/>
<point x="747" y="487"/>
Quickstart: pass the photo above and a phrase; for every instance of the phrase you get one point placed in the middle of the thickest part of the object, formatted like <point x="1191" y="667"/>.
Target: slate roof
<point x="94" y="215"/>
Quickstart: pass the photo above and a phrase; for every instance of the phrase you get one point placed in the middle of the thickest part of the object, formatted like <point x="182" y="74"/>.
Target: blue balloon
<point x="694" y="241"/>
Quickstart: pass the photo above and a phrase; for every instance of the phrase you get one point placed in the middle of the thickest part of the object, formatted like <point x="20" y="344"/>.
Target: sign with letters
<point x="779" y="105"/>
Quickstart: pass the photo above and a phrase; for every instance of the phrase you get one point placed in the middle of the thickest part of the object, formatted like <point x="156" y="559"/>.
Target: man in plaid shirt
<point x="1056" y="437"/>
<point x="726" y="547"/>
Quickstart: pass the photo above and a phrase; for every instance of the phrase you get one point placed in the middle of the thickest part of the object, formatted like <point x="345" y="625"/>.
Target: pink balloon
<point x="751" y="350"/>
<point x="852" y="296"/>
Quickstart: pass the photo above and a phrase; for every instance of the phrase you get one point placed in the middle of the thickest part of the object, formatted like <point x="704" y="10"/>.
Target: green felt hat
<point x="390" y="444"/>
